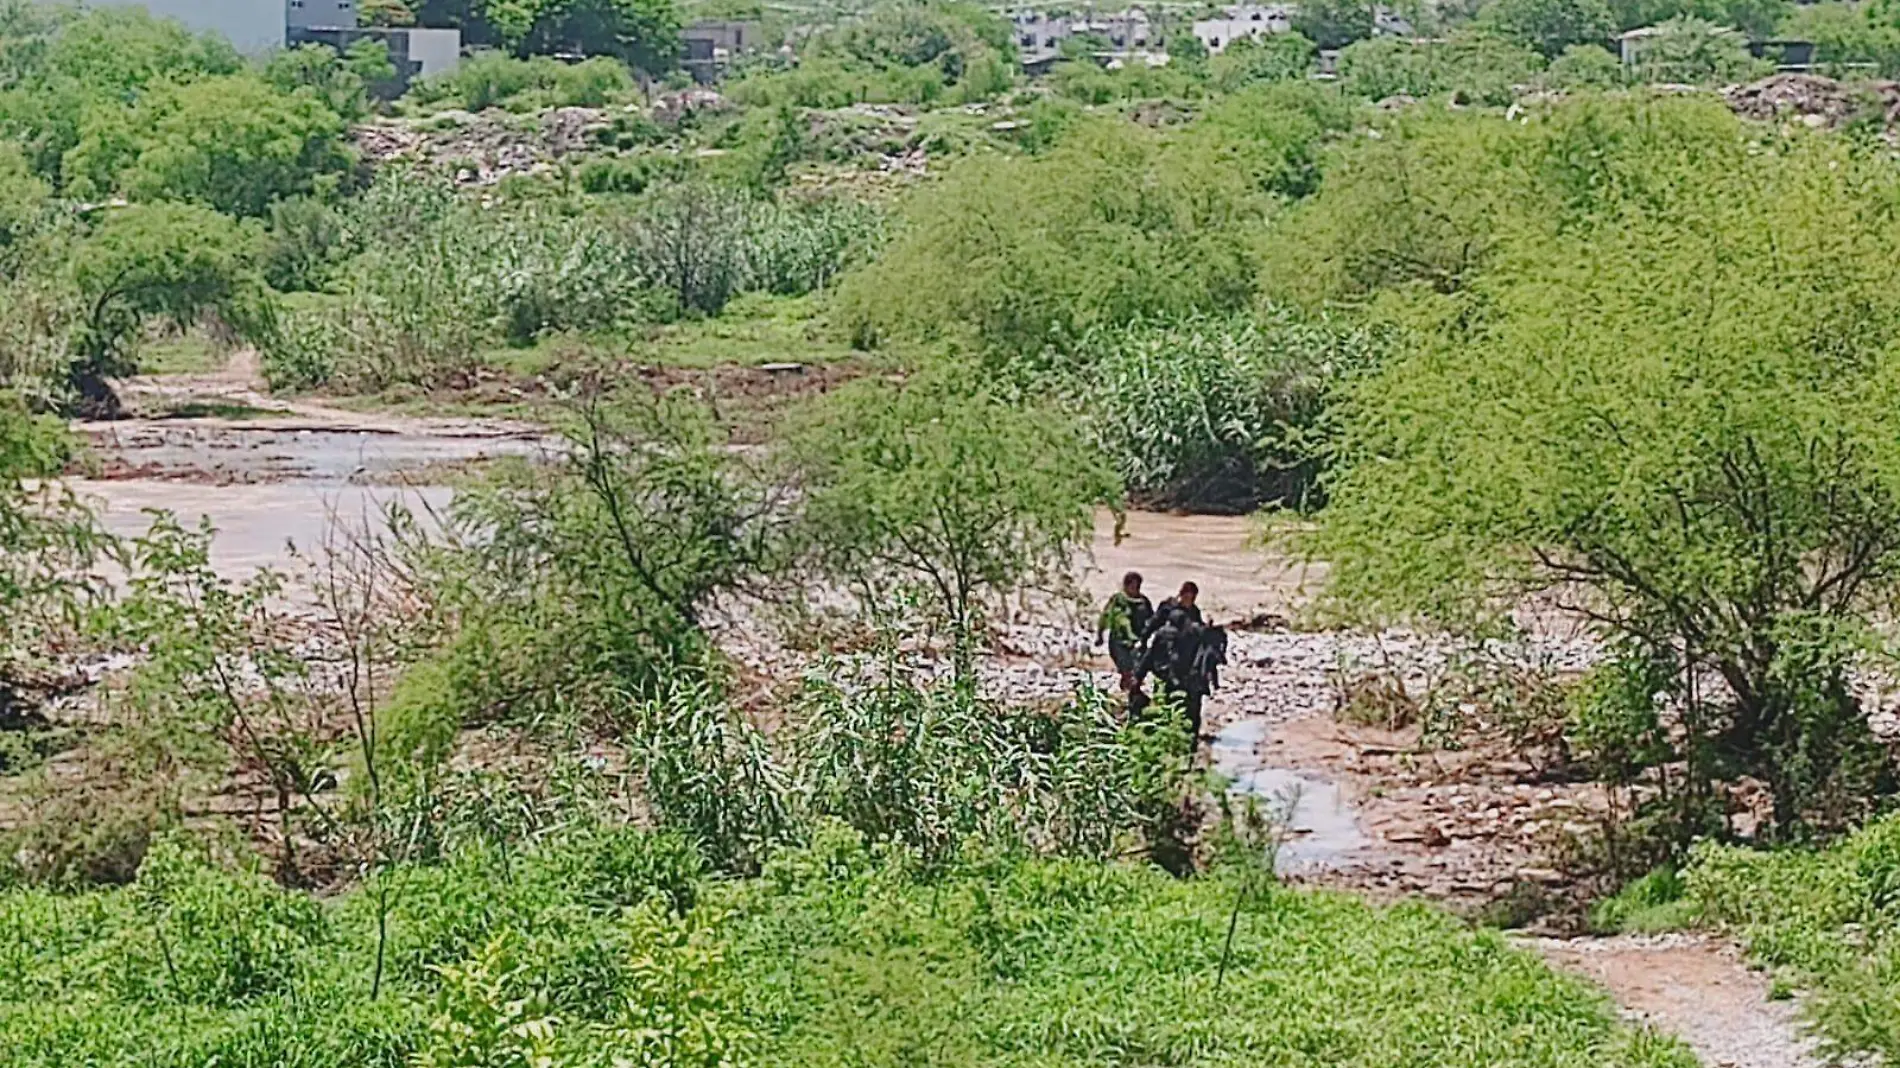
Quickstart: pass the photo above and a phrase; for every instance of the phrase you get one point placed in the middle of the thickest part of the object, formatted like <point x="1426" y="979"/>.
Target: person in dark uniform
<point x="1182" y="601"/>
<point x="1173" y="658"/>
<point x="1125" y="621"/>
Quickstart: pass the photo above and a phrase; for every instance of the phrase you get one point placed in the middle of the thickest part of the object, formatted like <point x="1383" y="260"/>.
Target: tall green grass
<point x="602" y="947"/>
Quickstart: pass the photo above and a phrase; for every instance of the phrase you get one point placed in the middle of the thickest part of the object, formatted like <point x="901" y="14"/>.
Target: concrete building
<point x="1243" y="20"/>
<point x="254" y="26"/>
<point x="708" y="47"/>
<point x="417" y="52"/>
<point x="1039" y="36"/>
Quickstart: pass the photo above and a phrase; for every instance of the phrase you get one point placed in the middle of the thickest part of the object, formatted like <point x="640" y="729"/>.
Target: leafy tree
<point x="920" y="50"/>
<point x="1753" y="18"/>
<point x="1187" y="49"/>
<point x="692" y="237"/>
<point x="47" y="545"/>
<point x="1274" y="134"/>
<point x="23" y="199"/>
<point x="1678" y="422"/>
<point x="169" y="261"/>
<point x="1692" y="51"/>
<point x="942" y="487"/>
<point x="1027" y="254"/>
<point x="385" y="13"/>
<point x="1550" y="26"/>
<point x="1476" y="69"/>
<point x="1586" y="65"/>
<point x="1846" y="34"/>
<point x="234" y="144"/>
<point x="1082" y="47"/>
<point x="642" y="33"/>
<point x="1335" y="23"/>
<point x="67" y="67"/>
<point x="369" y="60"/>
<point x="579" y="586"/>
<point x="1275" y="58"/>
<point x="1425" y="206"/>
<point x="319" y="70"/>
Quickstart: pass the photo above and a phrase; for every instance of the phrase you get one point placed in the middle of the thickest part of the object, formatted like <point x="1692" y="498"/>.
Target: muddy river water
<point x="273" y="488"/>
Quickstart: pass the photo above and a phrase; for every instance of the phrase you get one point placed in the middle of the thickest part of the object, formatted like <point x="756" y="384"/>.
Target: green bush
<point x="1276" y="135"/>
<point x="1471" y="69"/>
<point x="1586" y="66"/>
<point x="1251" y="60"/>
<point x="1653" y="903"/>
<point x="495" y="79"/>
<point x="1027" y="254"/>
<point x="1212" y="413"/>
<point x="1057" y="963"/>
<point x="838" y="951"/>
<point x="236" y="144"/>
<point x="1689" y="50"/>
<point x="935" y="769"/>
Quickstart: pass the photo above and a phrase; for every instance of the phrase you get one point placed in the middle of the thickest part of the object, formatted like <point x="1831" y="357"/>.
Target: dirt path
<point x="1692" y="987"/>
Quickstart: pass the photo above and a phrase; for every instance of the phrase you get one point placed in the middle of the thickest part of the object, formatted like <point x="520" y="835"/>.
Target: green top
<point x="1124" y="617"/>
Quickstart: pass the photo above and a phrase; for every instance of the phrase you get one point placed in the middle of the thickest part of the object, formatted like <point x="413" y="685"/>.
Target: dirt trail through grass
<point x="1692" y="987"/>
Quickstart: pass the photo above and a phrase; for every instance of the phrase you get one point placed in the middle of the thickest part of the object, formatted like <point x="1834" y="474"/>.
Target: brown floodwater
<point x="1238" y="578"/>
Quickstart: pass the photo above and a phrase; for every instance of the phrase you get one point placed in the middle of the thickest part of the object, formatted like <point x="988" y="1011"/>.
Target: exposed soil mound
<point x="1814" y="100"/>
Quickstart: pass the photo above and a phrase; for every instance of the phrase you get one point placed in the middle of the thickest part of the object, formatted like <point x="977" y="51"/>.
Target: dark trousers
<point x="1190" y="699"/>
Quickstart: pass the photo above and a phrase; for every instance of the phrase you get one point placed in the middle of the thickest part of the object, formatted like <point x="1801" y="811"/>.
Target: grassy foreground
<point x="1827" y="916"/>
<point x="608" y="948"/>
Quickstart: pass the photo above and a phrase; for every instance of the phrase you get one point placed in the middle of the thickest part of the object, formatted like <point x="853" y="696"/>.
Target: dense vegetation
<point x="607" y="948"/>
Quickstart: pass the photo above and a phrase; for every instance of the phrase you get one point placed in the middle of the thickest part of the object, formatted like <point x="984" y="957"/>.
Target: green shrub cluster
<point x="424" y="281"/>
<point x="1215" y="413"/>
<point x="931" y="53"/>
<point x="498" y="80"/>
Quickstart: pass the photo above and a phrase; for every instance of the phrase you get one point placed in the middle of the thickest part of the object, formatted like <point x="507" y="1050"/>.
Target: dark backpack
<point x="1210" y="654"/>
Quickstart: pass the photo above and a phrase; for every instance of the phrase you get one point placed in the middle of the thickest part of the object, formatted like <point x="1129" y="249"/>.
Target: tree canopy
<point x="1676" y="419"/>
<point x="945" y="489"/>
<point x="235" y="144"/>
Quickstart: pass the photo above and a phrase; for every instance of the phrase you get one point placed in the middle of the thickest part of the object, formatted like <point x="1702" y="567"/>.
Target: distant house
<point x="1243" y="20"/>
<point x="1260" y="20"/>
<point x="708" y="47"/>
<point x="417" y="52"/>
<point x="1039" y="36"/>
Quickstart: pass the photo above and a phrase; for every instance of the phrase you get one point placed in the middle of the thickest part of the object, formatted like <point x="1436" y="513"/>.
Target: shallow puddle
<point x="1322" y="826"/>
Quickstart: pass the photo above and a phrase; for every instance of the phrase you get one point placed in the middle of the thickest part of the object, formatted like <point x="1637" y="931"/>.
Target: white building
<point x="1243" y="20"/>
<point x="1261" y="20"/>
<point x="1039" y="36"/>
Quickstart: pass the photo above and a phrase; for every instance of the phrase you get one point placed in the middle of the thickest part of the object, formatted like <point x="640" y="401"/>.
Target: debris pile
<point x="1813" y="100"/>
<point x="484" y="148"/>
<point x="670" y="109"/>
